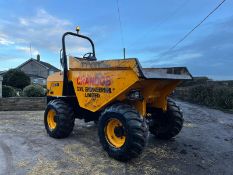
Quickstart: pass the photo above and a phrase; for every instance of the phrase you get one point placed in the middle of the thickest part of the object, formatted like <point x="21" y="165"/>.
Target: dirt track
<point x="205" y="146"/>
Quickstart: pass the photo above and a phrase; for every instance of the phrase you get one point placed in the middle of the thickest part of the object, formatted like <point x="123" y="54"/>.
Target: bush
<point x="195" y="81"/>
<point x="8" y="91"/>
<point x="217" y="96"/>
<point x="223" y="97"/>
<point x="16" y="78"/>
<point x="44" y="86"/>
<point x="34" y="91"/>
<point x="202" y="94"/>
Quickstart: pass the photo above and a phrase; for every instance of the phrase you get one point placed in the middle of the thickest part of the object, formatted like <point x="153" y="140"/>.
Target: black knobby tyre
<point x="135" y="132"/>
<point x="166" y="125"/>
<point x="64" y="119"/>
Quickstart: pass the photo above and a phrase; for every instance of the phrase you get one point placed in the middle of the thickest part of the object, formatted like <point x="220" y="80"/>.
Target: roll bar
<point x="64" y="57"/>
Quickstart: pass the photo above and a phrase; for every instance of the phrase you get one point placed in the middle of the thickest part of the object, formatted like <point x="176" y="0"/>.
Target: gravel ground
<point x="204" y="146"/>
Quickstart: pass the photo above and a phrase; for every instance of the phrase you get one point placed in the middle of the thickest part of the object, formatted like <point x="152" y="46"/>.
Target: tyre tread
<point x="137" y="132"/>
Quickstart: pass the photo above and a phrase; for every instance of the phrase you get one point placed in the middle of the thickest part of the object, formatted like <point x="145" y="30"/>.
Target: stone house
<point x="37" y="70"/>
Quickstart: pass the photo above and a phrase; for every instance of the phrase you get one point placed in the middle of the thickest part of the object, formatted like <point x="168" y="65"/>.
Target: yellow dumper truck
<point x="125" y="99"/>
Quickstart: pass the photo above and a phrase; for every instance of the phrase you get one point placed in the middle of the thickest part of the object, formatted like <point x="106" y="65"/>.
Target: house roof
<point x="48" y="65"/>
<point x="44" y="64"/>
<point x="2" y="72"/>
<point x="35" y="76"/>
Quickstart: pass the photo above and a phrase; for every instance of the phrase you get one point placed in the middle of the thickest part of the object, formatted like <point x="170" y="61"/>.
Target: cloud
<point x="10" y="60"/>
<point x="43" y="18"/>
<point x="28" y="50"/>
<point x="23" y="21"/>
<point x="210" y="55"/>
<point x="4" y="40"/>
<point x="42" y="30"/>
<point x="175" y="59"/>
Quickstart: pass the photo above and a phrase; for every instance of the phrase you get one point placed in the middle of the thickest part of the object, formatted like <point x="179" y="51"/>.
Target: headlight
<point x="134" y="95"/>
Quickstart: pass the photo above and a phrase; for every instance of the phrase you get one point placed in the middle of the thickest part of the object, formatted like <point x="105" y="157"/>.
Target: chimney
<point x="38" y="57"/>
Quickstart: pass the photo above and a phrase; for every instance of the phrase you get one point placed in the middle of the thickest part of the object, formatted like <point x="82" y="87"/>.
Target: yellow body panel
<point x="94" y="89"/>
<point x="98" y="83"/>
<point x="55" y="84"/>
<point x="154" y="94"/>
<point x="106" y="64"/>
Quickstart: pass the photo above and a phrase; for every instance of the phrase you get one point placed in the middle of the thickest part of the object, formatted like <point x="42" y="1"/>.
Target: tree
<point x="16" y="78"/>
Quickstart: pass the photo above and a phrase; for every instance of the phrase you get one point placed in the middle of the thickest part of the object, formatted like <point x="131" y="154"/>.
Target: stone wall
<point x="22" y="103"/>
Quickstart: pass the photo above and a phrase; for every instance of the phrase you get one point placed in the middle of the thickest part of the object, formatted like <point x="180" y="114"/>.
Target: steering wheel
<point x="88" y="55"/>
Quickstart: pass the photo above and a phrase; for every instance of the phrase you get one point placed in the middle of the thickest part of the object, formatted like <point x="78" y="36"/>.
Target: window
<point x="44" y="81"/>
<point x="51" y="72"/>
<point x="35" y="81"/>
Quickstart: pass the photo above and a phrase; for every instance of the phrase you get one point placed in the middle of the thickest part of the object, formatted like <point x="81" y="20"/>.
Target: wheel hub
<point x="114" y="133"/>
<point x="51" y="119"/>
<point x="119" y="131"/>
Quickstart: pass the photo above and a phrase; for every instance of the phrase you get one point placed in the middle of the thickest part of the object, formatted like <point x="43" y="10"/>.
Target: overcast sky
<point x="150" y="28"/>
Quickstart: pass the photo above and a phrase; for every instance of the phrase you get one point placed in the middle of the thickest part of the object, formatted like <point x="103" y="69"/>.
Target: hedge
<point x="209" y="95"/>
<point x="8" y="91"/>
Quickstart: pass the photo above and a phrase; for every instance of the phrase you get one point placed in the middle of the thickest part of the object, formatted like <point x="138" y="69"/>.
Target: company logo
<point x="94" y="80"/>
